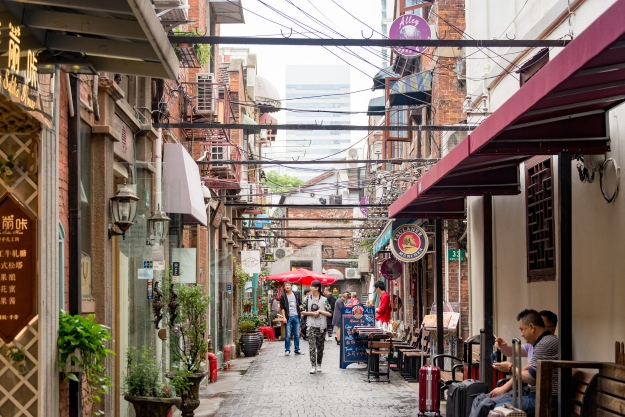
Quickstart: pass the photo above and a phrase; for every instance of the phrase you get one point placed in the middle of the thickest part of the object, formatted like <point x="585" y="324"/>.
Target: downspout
<point x="446" y="257"/>
<point x="94" y="94"/>
<point x="75" y="289"/>
<point x="158" y="159"/>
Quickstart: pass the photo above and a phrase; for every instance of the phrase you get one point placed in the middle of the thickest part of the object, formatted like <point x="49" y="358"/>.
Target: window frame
<point x="548" y="273"/>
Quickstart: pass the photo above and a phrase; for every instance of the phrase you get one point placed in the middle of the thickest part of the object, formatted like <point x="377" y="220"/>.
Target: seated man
<point x="550" y="320"/>
<point x="545" y="347"/>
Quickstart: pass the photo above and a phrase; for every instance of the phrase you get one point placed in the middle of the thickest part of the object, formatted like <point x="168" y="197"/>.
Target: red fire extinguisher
<point x="212" y="361"/>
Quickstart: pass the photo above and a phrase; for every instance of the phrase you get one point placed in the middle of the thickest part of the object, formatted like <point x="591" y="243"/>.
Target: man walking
<point x="383" y="313"/>
<point x="317" y="309"/>
<point x="327" y="293"/>
<point x="338" y="314"/>
<point x="290" y="305"/>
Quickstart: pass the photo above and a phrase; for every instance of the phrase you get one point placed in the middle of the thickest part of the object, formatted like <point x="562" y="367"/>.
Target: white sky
<point x="272" y="59"/>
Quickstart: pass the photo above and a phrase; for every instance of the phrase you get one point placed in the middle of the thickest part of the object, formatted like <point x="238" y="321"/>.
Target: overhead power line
<point x="416" y="128"/>
<point x="317" y="206"/>
<point x="459" y="43"/>
<point x="358" y="219"/>
<point x="323" y="228"/>
<point x="319" y="162"/>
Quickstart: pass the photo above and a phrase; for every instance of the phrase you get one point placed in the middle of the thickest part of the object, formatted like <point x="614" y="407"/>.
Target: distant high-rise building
<point x="310" y="88"/>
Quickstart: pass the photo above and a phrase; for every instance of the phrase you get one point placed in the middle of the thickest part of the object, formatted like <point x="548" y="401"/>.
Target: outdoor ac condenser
<point x="352" y="273"/>
<point x="206" y="94"/>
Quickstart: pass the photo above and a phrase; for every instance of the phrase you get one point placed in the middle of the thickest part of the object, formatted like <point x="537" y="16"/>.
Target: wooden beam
<point x="106" y="6"/>
<point x="80" y="23"/>
<point x="101" y="47"/>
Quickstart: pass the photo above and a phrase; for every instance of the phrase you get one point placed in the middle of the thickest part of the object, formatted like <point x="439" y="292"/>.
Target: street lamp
<point x="123" y="207"/>
<point x="158" y="227"/>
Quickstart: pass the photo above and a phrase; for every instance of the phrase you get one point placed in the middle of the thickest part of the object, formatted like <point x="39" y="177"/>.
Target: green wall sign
<point x="454" y="254"/>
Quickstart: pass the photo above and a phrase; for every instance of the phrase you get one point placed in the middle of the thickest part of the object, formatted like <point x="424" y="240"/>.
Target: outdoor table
<point x="282" y="327"/>
<point x="374" y="334"/>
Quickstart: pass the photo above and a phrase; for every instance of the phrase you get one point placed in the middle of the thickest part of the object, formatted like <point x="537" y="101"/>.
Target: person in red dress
<point x="383" y="312"/>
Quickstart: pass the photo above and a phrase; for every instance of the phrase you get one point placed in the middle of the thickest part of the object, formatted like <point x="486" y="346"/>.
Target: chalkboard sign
<point x="353" y="348"/>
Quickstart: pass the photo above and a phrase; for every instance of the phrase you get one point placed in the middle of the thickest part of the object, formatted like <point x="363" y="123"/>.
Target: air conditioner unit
<point x="336" y="199"/>
<point x="450" y="140"/>
<point x="282" y="252"/>
<point x="206" y="94"/>
<point x="352" y="273"/>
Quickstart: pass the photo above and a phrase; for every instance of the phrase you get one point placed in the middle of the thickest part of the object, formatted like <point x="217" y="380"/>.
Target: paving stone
<point x="279" y="385"/>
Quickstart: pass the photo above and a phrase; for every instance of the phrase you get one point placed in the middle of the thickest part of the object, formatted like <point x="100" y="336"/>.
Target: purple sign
<point x="410" y="26"/>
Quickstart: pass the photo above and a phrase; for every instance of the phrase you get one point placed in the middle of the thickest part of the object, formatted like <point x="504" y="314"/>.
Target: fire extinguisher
<point x="212" y="361"/>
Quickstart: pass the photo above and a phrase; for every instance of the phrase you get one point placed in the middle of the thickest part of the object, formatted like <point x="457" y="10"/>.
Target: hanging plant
<point x="82" y="348"/>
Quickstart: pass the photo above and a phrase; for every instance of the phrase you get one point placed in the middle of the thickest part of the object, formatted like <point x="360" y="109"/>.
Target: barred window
<point x="541" y="261"/>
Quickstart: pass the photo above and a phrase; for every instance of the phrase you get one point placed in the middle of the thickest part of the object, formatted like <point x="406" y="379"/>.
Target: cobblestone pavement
<point x="278" y="385"/>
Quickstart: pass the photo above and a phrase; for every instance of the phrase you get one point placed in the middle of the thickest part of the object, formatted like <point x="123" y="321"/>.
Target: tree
<point x="281" y="183"/>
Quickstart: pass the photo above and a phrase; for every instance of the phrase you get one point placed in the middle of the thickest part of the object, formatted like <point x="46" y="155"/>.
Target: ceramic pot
<point x="152" y="406"/>
<point x="250" y="344"/>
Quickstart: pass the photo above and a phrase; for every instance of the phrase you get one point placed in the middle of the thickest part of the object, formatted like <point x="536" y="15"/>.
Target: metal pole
<point x="293" y="126"/>
<point x="438" y="241"/>
<point x="565" y="283"/>
<point x="459" y="43"/>
<point x="396" y="161"/>
<point x="486" y="346"/>
<point x="75" y="289"/>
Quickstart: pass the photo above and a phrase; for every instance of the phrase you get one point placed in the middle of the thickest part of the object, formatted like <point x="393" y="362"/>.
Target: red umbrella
<point x="302" y="276"/>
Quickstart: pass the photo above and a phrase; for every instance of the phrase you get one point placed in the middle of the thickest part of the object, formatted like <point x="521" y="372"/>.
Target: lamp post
<point x="123" y="206"/>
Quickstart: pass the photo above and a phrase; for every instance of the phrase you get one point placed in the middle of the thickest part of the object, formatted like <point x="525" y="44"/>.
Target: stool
<point x="267" y="332"/>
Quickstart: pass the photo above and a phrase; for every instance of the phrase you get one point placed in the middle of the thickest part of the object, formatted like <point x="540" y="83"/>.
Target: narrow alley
<point x="279" y="385"/>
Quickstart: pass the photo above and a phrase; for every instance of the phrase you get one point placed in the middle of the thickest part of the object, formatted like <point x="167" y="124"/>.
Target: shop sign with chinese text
<point x="18" y="267"/>
<point x="20" y="88"/>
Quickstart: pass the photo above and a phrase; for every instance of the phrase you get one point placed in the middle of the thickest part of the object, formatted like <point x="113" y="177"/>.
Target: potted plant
<point x="82" y="348"/>
<point x="249" y="341"/>
<point x="7" y="168"/>
<point x="202" y="51"/>
<point x="247" y="305"/>
<point x="18" y="357"/>
<point x="144" y="387"/>
<point x="187" y="317"/>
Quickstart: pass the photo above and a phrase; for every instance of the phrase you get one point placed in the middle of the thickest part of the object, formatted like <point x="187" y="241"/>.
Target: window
<point x="541" y="258"/>
<point x="529" y="68"/>
<point x="217" y="153"/>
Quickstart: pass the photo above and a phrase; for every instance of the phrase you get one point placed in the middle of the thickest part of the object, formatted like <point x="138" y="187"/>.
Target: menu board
<point x="353" y="348"/>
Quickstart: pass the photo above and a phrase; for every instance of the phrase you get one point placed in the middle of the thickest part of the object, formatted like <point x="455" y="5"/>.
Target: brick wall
<point x="447" y="93"/>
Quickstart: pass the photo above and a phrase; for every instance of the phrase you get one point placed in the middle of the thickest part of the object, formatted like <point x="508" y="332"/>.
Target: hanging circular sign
<point x="409" y="243"/>
<point x="391" y="269"/>
<point x="410" y="26"/>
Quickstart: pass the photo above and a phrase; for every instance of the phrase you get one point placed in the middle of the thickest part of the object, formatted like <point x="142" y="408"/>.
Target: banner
<point x="250" y="261"/>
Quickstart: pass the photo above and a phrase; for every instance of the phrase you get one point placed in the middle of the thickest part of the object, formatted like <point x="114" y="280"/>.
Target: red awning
<point x="563" y="108"/>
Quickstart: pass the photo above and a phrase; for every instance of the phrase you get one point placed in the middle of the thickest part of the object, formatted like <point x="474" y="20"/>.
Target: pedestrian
<point x="316" y="311"/>
<point x="328" y="295"/>
<point x="353" y="301"/>
<point x="383" y="313"/>
<point x="338" y="315"/>
<point x="303" y="319"/>
<point x="290" y="302"/>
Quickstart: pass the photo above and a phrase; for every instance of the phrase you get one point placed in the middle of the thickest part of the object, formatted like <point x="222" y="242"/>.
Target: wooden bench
<point x="375" y="349"/>
<point x="600" y="393"/>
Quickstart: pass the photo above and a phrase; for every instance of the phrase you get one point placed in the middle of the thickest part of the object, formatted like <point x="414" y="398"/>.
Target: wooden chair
<point x="415" y="358"/>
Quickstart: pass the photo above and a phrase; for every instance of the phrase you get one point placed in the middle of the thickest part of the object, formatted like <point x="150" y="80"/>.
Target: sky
<point x="325" y="17"/>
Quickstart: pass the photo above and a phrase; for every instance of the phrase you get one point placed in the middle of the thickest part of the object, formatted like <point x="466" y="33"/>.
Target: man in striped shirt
<point x="546" y="347"/>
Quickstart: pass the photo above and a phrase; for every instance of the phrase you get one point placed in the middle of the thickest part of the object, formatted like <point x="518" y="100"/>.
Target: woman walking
<point x="317" y="308"/>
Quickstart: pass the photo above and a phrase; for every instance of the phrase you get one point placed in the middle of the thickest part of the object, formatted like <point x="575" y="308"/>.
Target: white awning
<point x="182" y="184"/>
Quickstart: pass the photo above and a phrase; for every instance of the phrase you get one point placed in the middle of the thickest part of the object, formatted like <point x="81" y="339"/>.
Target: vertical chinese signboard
<point x="18" y="267"/>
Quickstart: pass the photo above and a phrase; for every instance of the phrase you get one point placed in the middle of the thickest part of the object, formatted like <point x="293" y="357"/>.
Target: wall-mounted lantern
<point x="123" y="206"/>
<point x="158" y="227"/>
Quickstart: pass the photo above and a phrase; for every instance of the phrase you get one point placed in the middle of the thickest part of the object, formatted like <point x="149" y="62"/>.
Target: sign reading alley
<point x="18" y="267"/>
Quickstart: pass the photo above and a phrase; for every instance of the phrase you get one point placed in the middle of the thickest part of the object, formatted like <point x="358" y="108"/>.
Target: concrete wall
<point x="309" y="253"/>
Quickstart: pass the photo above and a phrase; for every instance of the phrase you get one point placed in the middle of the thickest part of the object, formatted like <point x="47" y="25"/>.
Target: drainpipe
<point x="158" y="162"/>
<point x="446" y="257"/>
<point x="75" y="289"/>
<point x="94" y="94"/>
